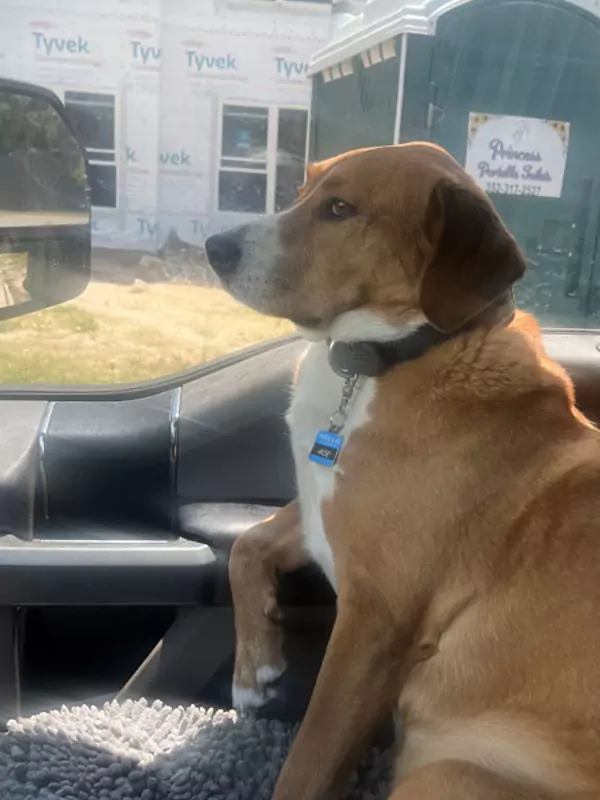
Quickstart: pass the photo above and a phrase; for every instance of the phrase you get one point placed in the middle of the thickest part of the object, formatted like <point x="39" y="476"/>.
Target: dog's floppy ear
<point x="473" y="258"/>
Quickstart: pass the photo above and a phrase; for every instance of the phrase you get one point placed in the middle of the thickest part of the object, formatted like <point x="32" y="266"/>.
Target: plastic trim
<point x="41" y="446"/>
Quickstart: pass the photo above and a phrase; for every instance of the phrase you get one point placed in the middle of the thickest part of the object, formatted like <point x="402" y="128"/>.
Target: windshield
<point x="198" y="116"/>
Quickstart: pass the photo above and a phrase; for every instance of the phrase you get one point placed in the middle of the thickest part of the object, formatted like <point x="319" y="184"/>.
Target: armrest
<point x="219" y="524"/>
<point x="123" y="571"/>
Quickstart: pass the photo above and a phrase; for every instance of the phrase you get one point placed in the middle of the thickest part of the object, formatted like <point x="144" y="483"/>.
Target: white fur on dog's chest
<point x="317" y="396"/>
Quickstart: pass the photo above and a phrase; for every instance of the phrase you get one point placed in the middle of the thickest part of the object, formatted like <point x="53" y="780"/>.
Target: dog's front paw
<point x="254" y="681"/>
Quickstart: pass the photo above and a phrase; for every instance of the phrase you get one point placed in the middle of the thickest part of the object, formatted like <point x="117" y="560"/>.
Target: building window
<point x="243" y="172"/>
<point x="261" y="165"/>
<point x="94" y="116"/>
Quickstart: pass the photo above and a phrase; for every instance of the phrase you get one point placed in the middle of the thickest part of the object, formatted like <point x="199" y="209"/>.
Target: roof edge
<point x="384" y="19"/>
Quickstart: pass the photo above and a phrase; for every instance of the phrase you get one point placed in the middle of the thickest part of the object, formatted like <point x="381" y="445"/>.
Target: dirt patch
<point x="176" y="260"/>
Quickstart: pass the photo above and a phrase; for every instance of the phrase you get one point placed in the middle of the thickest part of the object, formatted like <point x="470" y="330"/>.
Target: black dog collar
<point x="374" y="358"/>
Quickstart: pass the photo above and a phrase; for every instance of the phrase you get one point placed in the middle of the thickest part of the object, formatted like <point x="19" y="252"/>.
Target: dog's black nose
<point x="223" y="251"/>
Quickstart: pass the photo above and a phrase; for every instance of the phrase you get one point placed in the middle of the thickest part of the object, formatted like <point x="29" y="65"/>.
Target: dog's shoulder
<point x="513" y="362"/>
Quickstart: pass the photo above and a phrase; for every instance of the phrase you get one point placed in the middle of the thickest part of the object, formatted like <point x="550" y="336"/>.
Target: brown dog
<point x="460" y="522"/>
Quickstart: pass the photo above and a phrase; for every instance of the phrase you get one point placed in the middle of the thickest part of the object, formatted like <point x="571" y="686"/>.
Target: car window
<point x="192" y="122"/>
<point x="197" y="116"/>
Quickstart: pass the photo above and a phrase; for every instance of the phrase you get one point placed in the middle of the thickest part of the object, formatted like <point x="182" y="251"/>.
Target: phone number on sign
<point x="507" y="188"/>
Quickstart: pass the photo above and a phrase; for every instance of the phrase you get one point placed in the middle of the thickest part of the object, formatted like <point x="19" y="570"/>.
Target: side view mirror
<point x="45" y="221"/>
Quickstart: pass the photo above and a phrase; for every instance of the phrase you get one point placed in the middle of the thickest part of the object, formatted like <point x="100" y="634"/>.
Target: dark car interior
<point x="117" y="515"/>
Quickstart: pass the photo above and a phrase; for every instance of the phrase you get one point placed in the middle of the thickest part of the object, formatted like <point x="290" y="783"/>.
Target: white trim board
<point x="379" y="20"/>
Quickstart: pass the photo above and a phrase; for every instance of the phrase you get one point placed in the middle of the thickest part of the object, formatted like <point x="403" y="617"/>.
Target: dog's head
<point x="377" y="240"/>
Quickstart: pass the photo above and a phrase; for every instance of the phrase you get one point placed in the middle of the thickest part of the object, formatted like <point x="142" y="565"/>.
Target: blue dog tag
<point x="326" y="448"/>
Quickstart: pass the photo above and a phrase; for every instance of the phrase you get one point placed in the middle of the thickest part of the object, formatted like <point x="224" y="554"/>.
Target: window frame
<point x="61" y="91"/>
<point x="219" y="168"/>
<point x="273" y="110"/>
<point x="136" y="390"/>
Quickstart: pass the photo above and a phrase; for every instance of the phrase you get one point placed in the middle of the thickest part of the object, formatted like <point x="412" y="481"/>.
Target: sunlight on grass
<point x="66" y="319"/>
<point x="115" y="334"/>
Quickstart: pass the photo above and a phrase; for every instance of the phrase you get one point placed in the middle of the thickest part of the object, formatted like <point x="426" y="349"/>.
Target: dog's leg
<point x="272" y="548"/>
<point x="459" y="780"/>
<point x="357" y="685"/>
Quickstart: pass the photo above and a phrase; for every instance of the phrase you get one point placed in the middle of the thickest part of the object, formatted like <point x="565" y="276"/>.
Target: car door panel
<point x="234" y="444"/>
<point x="125" y="461"/>
<point x="124" y="567"/>
<point x="108" y="461"/>
<point x="219" y="524"/>
<point x="19" y="426"/>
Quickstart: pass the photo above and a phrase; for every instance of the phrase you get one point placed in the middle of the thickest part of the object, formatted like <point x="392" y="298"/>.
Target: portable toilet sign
<point x="517" y="155"/>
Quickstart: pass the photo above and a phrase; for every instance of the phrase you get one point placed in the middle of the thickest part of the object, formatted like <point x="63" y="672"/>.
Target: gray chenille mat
<point x="138" y="750"/>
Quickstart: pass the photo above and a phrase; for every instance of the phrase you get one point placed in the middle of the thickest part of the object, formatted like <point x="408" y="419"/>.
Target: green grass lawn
<point x="115" y="333"/>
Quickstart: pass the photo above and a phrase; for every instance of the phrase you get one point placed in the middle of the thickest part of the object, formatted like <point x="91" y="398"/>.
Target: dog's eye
<point x="339" y="209"/>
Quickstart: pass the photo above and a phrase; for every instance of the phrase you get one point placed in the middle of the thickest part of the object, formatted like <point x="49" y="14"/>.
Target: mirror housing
<point x="45" y="214"/>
